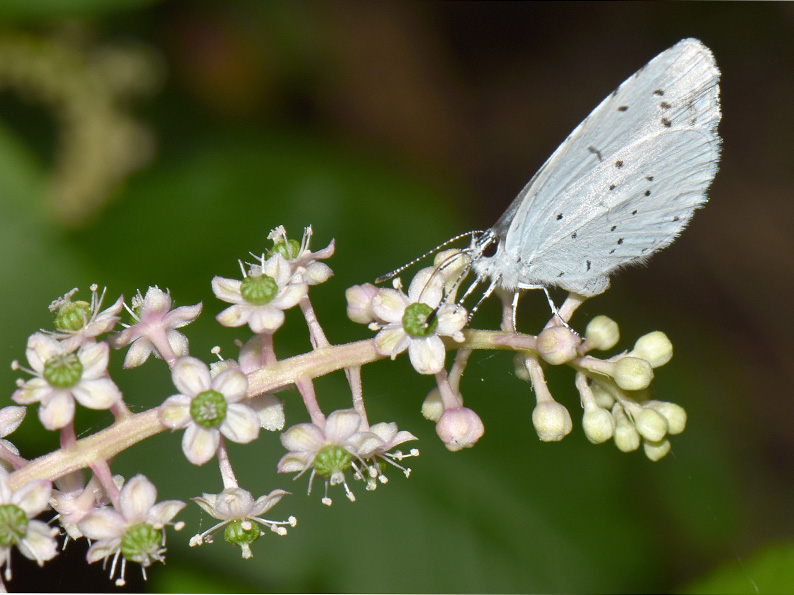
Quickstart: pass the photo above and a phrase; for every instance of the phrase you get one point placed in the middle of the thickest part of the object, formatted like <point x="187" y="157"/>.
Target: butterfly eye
<point x="489" y="249"/>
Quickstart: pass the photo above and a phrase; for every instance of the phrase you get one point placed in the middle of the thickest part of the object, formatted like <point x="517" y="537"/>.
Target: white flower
<point x="153" y="330"/>
<point x="61" y="377"/>
<point x="74" y="499"/>
<point x="134" y="531"/>
<point x="208" y="407"/>
<point x="304" y="262"/>
<point x="77" y="322"/>
<point x="328" y="450"/>
<point x="262" y="296"/>
<point x="18" y="509"/>
<point x="417" y="322"/>
<point x="236" y="509"/>
<point x="381" y="449"/>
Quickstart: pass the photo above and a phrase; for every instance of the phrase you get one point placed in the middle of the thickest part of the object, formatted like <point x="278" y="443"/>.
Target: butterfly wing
<point x="661" y="122"/>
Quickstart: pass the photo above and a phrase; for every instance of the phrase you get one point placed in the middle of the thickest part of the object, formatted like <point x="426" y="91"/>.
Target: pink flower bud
<point x="459" y="428"/>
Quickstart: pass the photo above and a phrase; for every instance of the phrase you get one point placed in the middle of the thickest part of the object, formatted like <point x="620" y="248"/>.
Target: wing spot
<point x="612" y="251"/>
<point x="676" y="218"/>
<point x="560" y="275"/>
<point x="595" y="152"/>
<point x="665" y="105"/>
<point x="613" y="228"/>
<point x="611" y="186"/>
<point x="647" y="193"/>
<point x="559" y="216"/>
<point x="620" y="241"/>
<point x="618" y="163"/>
<point x="634" y="212"/>
<point x="588" y="265"/>
<point x="666" y="123"/>
<point x="659" y="92"/>
<point x="573" y="236"/>
<point x="623" y="108"/>
<point x="649" y="178"/>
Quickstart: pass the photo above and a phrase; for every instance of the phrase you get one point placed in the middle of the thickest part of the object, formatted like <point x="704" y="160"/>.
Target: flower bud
<point x="459" y="428"/>
<point x="359" y="302"/>
<point x="602" y="333"/>
<point x="632" y="373"/>
<point x="433" y="407"/>
<point x="520" y="364"/>
<point x="627" y="439"/>
<point x="558" y="345"/>
<point x="655" y="348"/>
<point x="651" y="424"/>
<point x="598" y="425"/>
<point x="674" y="414"/>
<point x="656" y="450"/>
<point x="552" y="421"/>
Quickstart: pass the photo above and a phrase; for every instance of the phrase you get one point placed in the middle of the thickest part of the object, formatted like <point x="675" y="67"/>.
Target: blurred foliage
<point x="381" y="127"/>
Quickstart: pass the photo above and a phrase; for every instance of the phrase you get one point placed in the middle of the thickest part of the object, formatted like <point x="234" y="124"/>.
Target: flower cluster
<point x="232" y="400"/>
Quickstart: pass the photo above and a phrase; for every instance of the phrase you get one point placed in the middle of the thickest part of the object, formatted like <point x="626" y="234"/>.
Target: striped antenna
<point x="396" y="272"/>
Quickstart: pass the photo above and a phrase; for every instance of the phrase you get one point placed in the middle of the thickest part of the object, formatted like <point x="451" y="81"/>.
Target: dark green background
<point x="391" y="127"/>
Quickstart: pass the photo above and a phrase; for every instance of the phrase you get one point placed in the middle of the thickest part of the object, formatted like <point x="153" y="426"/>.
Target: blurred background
<point x="146" y="142"/>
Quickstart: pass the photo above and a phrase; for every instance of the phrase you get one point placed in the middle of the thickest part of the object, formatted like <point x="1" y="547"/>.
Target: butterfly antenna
<point x="396" y="272"/>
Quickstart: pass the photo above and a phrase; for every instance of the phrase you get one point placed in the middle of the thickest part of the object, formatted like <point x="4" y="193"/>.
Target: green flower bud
<point x="656" y="450"/>
<point x="627" y="439"/>
<point x="602" y="333"/>
<point x="208" y="409"/>
<point x="140" y="541"/>
<point x="674" y="414"/>
<point x="632" y="373"/>
<point x="552" y="421"/>
<point x="332" y="459"/>
<point x="598" y="425"/>
<point x="258" y="289"/>
<point x="655" y="348"/>
<point x="651" y="424"/>
<point x="289" y="250"/>
<point x="13" y="524"/>
<point x="63" y="371"/>
<point x="433" y="407"/>
<point x="72" y="316"/>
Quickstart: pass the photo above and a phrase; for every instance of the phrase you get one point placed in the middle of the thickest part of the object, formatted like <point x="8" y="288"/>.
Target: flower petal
<point x="270" y="411"/>
<point x="94" y="357"/>
<point x="138" y="353"/>
<point x="39" y="543"/>
<point x="227" y="290"/>
<point x="265" y="319"/>
<point x="137" y="497"/>
<point x="241" y="424"/>
<point x="236" y="315"/>
<point x="175" y="412"/>
<point x="162" y="512"/>
<point x="200" y="444"/>
<point x="191" y="376"/>
<point x="10" y="418"/>
<point x="427" y="354"/>
<point x="101" y="393"/>
<point x="33" y="497"/>
<point x="104" y="523"/>
<point x="232" y="383"/>
<point x="391" y="341"/>
<point x="390" y="305"/>
<point x="58" y="411"/>
<point x="303" y="438"/>
<point x="342" y="424"/>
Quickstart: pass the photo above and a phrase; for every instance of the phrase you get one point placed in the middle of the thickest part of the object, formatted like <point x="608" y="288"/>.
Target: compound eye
<point x="491" y="247"/>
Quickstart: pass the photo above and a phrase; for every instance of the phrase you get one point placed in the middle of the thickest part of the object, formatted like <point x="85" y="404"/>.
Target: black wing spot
<point x="618" y="163"/>
<point x="560" y="275"/>
<point x="573" y="236"/>
<point x="620" y="241"/>
<point x="559" y="216"/>
<point x="623" y="108"/>
<point x="612" y="251"/>
<point x="665" y="105"/>
<point x="666" y="123"/>
<point x="613" y="228"/>
<point x="676" y="218"/>
<point x="634" y="212"/>
<point x="647" y="193"/>
<point x="658" y="92"/>
<point x="611" y="186"/>
<point x="595" y="152"/>
<point x="649" y="178"/>
<point x="588" y="265"/>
